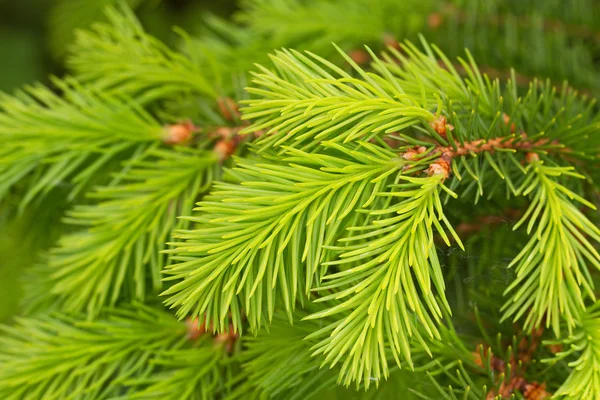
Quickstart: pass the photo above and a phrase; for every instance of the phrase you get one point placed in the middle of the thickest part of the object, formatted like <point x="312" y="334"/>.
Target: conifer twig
<point x="442" y="165"/>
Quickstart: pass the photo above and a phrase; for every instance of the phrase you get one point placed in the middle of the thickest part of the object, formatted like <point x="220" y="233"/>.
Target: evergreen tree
<point x="260" y="213"/>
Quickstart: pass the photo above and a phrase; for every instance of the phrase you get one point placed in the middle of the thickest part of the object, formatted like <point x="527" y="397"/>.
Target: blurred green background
<point x="34" y="40"/>
<point x="35" y="34"/>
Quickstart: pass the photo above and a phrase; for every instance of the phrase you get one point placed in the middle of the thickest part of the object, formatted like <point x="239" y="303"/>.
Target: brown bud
<point x="532" y="157"/>
<point x="440" y="167"/>
<point x="506" y="120"/>
<point x="228" y="108"/>
<point x="194" y="329"/>
<point x="226" y="339"/>
<point x="179" y="133"/>
<point x="224" y="148"/>
<point x="434" y="20"/>
<point x="477" y="359"/>
<point x="440" y="124"/>
<point x="555" y="348"/>
<point x="359" y="56"/>
<point x="390" y="41"/>
<point x="535" y="391"/>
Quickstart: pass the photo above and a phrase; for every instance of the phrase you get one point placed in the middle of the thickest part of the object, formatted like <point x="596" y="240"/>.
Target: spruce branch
<point x="302" y="103"/>
<point x="304" y="109"/>
<point x="196" y="373"/>
<point x="268" y="232"/>
<point x="308" y="99"/>
<point x="390" y="275"/>
<point x="553" y="279"/>
<point x="278" y="363"/>
<point x="320" y="23"/>
<point x="60" y="357"/>
<point x="62" y="139"/>
<point x="331" y="219"/>
<point x="115" y="253"/>
<point x="565" y="33"/>
<point x="446" y="154"/>
<point x="577" y="25"/>
<point x="584" y="380"/>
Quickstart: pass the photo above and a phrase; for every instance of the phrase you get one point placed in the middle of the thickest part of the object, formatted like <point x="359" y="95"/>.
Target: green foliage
<point x="584" y="381"/>
<point x="66" y="139"/>
<point x="201" y="372"/>
<point x="304" y="102"/>
<point x="59" y="357"/>
<point x="552" y="275"/>
<point x="546" y="39"/>
<point x="303" y="105"/>
<point x="128" y="225"/>
<point x="121" y="57"/>
<point x="233" y="47"/>
<point x="387" y="272"/>
<point x="316" y="24"/>
<point x="335" y="234"/>
<point x="262" y="241"/>
<point x="67" y="16"/>
<point x="278" y="363"/>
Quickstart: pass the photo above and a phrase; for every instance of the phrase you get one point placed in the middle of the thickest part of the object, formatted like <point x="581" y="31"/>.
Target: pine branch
<point x="387" y="272"/>
<point x="201" y="372"/>
<point x="446" y="154"/>
<point x="115" y="254"/>
<point x="308" y="99"/>
<point x="278" y="364"/>
<point x="60" y="357"/>
<point x="552" y="276"/>
<point x="62" y="140"/>
<point x="268" y="233"/>
<point x="304" y="104"/>
<point x="336" y="209"/>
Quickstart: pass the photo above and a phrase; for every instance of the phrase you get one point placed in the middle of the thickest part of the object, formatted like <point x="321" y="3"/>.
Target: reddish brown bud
<point x="390" y="41"/>
<point x="224" y="148"/>
<point x="434" y="20"/>
<point x="532" y="157"/>
<point x="228" y="108"/>
<point x="440" y="124"/>
<point x="359" y="56"/>
<point x="536" y="391"/>
<point x="226" y="339"/>
<point x="441" y="167"/>
<point x="477" y="359"/>
<point x="506" y="120"/>
<point x="194" y="329"/>
<point x="555" y="348"/>
<point x="179" y="133"/>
